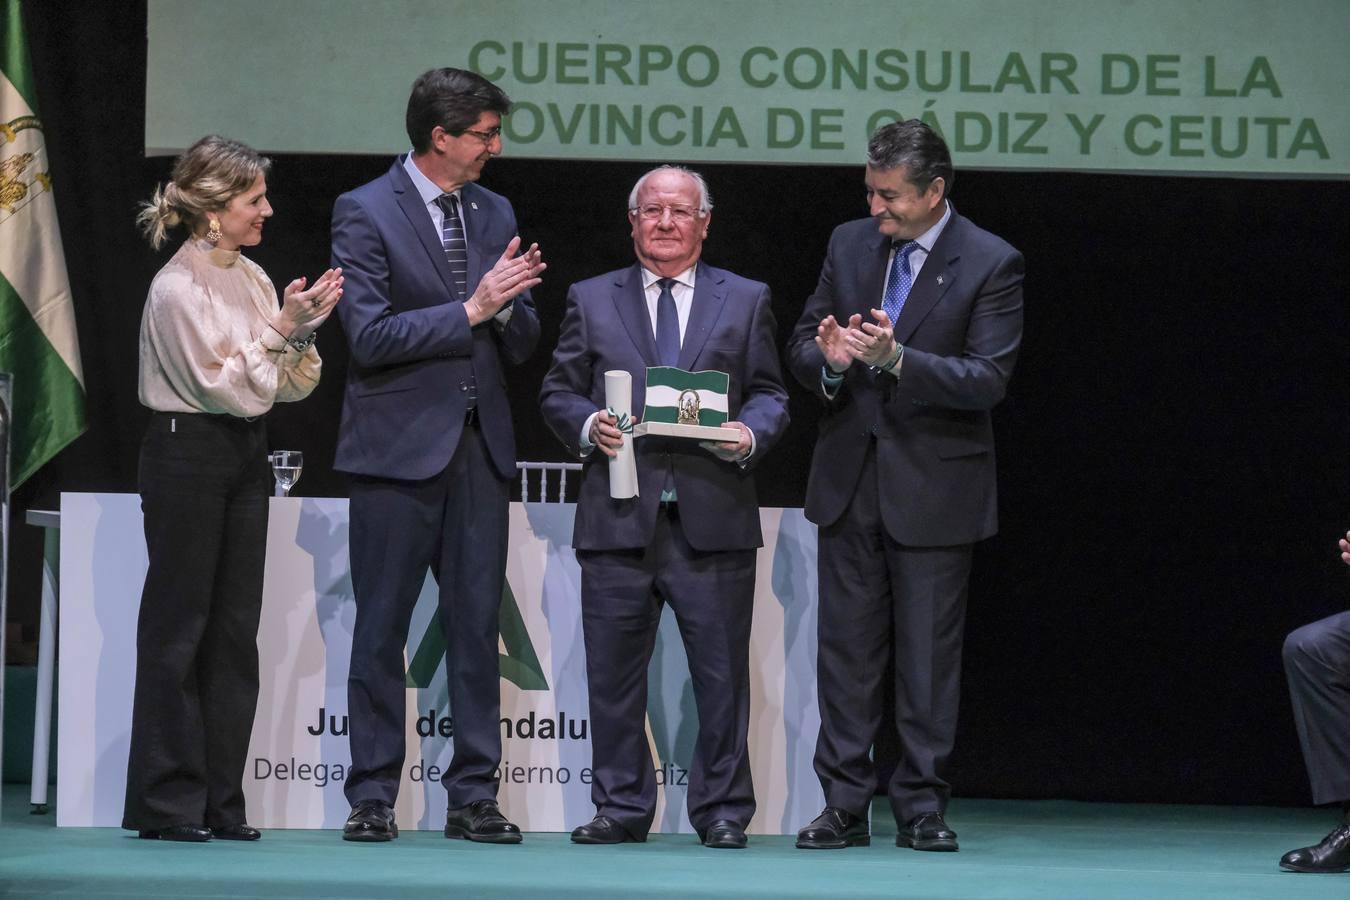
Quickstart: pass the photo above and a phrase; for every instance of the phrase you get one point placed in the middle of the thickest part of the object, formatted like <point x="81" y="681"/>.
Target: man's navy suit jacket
<point x="961" y="328"/>
<point x="413" y="351"/>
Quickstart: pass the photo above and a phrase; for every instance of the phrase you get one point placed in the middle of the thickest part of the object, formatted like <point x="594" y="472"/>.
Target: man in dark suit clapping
<point x="908" y="341"/>
<point x="439" y="304"/>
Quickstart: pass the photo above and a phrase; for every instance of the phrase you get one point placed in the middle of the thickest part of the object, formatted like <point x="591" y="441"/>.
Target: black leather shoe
<point x="834" y="829"/>
<point x="371" y="821"/>
<point x="1331" y="855"/>
<point x="191" y="834"/>
<point x="481" y="821"/>
<point x="240" y="832"/>
<point x="928" y="831"/>
<point x="603" y="830"/>
<point x="723" y="834"/>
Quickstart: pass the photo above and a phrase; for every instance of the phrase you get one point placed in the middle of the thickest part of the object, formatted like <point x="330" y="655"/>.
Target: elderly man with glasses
<point x="689" y="537"/>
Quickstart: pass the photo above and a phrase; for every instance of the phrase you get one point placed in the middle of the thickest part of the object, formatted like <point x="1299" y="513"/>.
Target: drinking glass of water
<point x="286" y="465"/>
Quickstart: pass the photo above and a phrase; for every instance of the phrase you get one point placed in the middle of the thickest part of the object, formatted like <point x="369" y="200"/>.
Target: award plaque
<point x="686" y="405"/>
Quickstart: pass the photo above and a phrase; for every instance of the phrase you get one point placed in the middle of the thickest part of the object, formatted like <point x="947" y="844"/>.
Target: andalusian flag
<point x="37" y="319"/>
<point x="669" y="389"/>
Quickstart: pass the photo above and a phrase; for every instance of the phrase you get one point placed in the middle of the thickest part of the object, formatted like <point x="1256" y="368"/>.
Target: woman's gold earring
<point x="213" y="231"/>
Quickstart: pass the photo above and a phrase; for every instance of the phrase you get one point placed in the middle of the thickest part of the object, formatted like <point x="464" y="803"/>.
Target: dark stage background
<point x="1172" y="451"/>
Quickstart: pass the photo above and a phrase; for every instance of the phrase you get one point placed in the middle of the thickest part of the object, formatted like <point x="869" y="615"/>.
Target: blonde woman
<point x="216" y="352"/>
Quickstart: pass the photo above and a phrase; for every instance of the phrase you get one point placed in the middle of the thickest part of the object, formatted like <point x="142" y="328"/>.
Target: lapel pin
<point x="473" y="205"/>
<point x="939" y="279"/>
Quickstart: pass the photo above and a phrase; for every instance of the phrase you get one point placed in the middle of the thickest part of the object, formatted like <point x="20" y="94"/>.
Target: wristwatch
<point x="891" y="363"/>
<point x="300" y="346"/>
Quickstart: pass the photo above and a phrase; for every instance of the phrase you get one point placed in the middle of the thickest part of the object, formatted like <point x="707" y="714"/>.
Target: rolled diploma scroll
<point x="623" y="482"/>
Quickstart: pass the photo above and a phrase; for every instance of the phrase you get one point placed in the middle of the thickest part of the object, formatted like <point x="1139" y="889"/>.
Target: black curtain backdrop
<point x="1172" y="451"/>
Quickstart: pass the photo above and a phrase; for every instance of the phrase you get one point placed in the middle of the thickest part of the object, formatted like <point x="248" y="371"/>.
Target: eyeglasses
<point x="487" y="137"/>
<point x="681" y="214"/>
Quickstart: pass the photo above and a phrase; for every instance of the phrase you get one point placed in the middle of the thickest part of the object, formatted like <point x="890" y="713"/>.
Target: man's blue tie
<point x="457" y="254"/>
<point x="668" y="350"/>
<point x="667" y="325"/>
<point x="900" y="281"/>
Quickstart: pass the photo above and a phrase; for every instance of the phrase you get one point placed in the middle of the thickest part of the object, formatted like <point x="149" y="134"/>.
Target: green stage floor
<point x="1009" y="849"/>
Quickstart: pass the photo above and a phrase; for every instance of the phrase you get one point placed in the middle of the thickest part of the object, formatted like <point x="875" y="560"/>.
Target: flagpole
<point x="5" y="394"/>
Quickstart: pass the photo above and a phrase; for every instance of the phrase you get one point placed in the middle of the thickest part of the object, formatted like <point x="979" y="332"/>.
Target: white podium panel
<point x="299" y="755"/>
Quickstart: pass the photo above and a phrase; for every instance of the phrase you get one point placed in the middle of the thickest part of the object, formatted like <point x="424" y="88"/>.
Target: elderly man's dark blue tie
<point x="900" y="281"/>
<point x="667" y="325"/>
<point x="668" y="349"/>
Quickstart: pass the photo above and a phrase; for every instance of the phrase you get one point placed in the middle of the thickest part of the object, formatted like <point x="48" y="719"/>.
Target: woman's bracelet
<point x="296" y="344"/>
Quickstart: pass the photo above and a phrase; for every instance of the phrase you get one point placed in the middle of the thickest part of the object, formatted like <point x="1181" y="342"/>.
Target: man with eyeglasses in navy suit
<point x="439" y="307"/>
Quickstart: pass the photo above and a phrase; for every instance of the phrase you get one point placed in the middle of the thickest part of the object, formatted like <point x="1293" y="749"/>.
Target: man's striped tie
<point x="452" y="239"/>
<point x="457" y="254"/>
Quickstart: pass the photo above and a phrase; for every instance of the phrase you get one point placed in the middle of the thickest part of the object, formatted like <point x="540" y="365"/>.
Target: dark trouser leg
<point x="227" y="666"/>
<point x="395" y="526"/>
<point x="713" y="595"/>
<point x="189" y="467"/>
<point x="853" y="630"/>
<point x="1317" y="663"/>
<point x="929" y="591"/>
<point x="471" y="575"/>
<point x="619" y="618"/>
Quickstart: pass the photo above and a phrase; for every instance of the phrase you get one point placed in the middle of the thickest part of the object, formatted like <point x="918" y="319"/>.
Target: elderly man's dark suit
<point x="430" y="489"/>
<point x="902" y="484"/>
<point x="698" y="556"/>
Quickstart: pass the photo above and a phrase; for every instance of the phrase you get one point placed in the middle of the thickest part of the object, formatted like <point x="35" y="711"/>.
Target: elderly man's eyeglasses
<point x="681" y="214"/>
<point x="486" y="137"/>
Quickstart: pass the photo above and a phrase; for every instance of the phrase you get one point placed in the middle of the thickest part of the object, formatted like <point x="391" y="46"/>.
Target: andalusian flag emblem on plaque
<point x="686" y="398"/>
